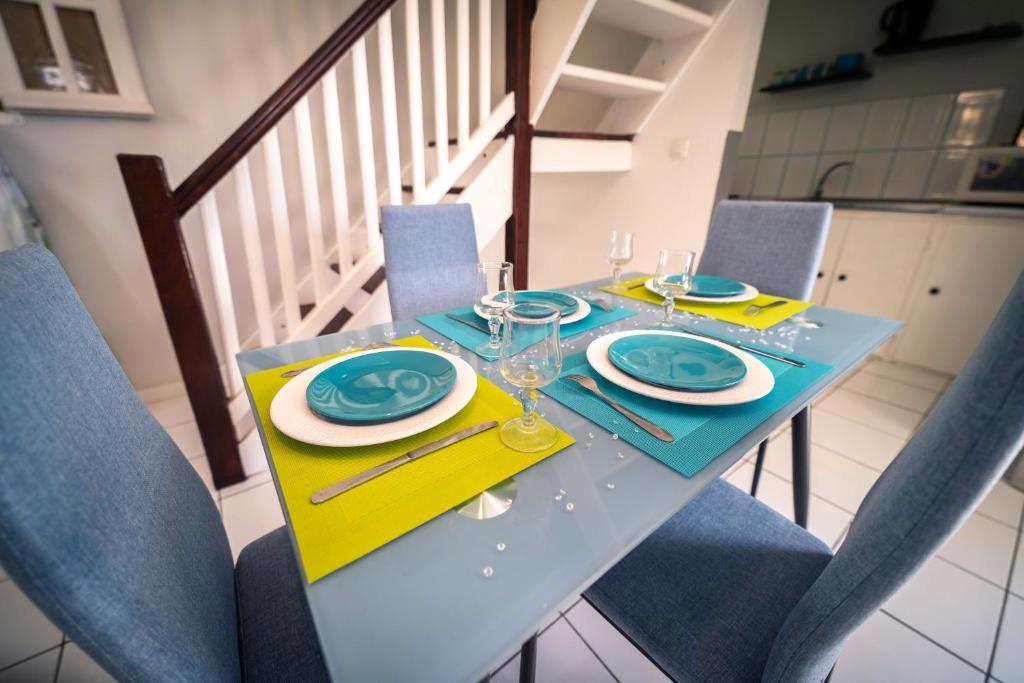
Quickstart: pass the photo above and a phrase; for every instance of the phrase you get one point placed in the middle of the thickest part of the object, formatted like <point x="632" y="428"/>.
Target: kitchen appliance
<point x="993" y="174"/>
<point x="904" y="21"/>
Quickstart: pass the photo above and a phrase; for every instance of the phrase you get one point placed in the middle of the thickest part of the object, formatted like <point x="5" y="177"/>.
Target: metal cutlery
<point x="599" y="302"/>
<point x="637" y="285"/>
<point x="590" y="385"/>
<point x="369" y="347"/>
<point x="350" y="483"/>
<point x="475" y="324"/>
<point x="744" y="347"/>
<point x="754" y="309"/>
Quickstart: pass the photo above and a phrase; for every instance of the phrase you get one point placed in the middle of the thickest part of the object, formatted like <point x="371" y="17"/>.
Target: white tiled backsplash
<point x="902" y="148"/>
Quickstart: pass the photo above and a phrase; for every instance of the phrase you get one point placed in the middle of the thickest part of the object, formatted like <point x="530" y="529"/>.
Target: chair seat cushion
<point x="705" y="594"/>
<point x="277" y="636"/>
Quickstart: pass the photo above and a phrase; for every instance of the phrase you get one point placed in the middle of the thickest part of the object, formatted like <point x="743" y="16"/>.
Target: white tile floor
<point x="960" y="619"/>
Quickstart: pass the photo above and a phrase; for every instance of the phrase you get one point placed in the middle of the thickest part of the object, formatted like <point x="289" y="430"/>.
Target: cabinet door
<point x="829" y="259"/>
<point x="877" y="264"/>
<point x="976" y="262"/>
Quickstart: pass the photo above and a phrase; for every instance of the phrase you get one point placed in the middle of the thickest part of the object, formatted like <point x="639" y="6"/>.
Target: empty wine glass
<point x="530" y="358"/>
<point x="620" y="252"/>
<point x="673" y="279"/>
<point x="494" y="293"/>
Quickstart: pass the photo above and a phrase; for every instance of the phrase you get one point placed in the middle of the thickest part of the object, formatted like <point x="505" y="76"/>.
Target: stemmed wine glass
<point x="530" y="358"/>
<point x="673" y="279"/>
<point x="494" y="293"/>
<point x="620" y="252"/>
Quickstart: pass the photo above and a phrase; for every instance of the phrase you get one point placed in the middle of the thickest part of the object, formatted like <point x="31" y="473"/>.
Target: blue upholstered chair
<point x="776" y="247"/>
<point x="430" y="257"/>
<point x="105" y="525"/>
<point x="728" y="590"/>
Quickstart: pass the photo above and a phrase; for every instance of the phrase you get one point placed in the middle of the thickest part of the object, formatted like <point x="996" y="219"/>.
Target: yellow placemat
<point x="332" y="534"/>
<point x="730" y="313"/>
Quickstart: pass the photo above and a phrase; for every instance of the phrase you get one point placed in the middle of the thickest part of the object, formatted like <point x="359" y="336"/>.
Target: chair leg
<point x="801" y="465"/>
<point x="528" y="661"/>
<point x="762" y="450"/>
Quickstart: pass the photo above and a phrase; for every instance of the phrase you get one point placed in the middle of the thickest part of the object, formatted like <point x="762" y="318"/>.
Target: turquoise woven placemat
<point x="702" y="432"/>
<point x="469" y="338"/>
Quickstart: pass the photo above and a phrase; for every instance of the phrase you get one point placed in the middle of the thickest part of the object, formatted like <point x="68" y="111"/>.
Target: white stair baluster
<point x="221" y="288"/>
<point x="462" y="71"/>
<point x="365" y="138"/>
<point x="311" y="199"/>
<point x="254" y="253"/>
<point x="390" y="109"/>
<point x="412" y="64"/>
<point x="282" y="230"/>
<point x="484" y="58"/>
<point x="440" y="83"/>
<point x="336" y="162"/>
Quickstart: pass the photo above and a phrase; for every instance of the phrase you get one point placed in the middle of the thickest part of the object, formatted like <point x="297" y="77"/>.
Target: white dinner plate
<point x="758" y="382"/>
<point x="291" y="414"/>
<point x="749" y="293"/>
<point x="582" y="312"/>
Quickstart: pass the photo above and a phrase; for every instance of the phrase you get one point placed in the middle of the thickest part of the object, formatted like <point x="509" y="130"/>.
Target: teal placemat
<point x="702" y="432"/>
<point x="469" y="338"/>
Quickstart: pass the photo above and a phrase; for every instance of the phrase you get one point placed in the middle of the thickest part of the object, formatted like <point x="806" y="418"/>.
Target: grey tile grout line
<point x="1006" y="600"/>
<point x="945" y="377"/>
<point x="864" y="424"/>
<point x="887" y="401"/>
<point x="31" y="657"/>
<point x="931" y="640"/>
<point x="592" y="650"/>
<point x="968" y="571"/>
<point x="561" y="615"/>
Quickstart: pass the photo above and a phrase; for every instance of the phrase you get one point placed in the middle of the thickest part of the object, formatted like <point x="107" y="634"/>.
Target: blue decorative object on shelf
<point x="677" y="362"/>
<point x="380" y="387"/>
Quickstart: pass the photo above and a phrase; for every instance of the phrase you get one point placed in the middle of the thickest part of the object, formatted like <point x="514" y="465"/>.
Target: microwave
<point x="993" y="174"/>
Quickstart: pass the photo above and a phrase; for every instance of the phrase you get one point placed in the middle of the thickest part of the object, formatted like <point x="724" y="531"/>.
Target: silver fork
<point x="590" y="385"/>
<point x="599" y="302"/>
<point x="754" y="309"/>
<point x="368" y="347"/>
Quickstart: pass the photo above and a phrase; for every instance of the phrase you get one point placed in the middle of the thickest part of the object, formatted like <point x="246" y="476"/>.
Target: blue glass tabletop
<point x="421" y="607"/>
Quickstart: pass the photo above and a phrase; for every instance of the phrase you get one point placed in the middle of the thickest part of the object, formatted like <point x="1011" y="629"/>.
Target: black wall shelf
<point x="987" y="34"/>
<point x="827" y="80"/>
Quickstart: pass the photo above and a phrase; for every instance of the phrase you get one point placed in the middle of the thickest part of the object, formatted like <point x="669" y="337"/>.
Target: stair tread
<point x="659" y="19"/>
<point x="607" y="83"/>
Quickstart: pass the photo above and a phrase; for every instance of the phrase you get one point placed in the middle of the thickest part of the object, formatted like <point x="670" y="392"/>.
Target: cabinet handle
<point x="934" y="291"/>
<point x="820" y="274"/>
<point x="842" y="278"/>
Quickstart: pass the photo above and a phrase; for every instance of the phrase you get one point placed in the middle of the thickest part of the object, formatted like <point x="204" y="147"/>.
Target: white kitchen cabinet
<point x="963" y="283"/>
<point x="829" y="259"/>
<point x="878" y="261"/>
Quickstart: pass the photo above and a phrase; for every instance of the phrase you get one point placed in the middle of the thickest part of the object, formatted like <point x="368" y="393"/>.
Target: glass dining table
<point x="456" y="597"/>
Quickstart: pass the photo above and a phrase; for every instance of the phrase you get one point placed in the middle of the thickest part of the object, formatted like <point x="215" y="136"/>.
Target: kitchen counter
<point x="947" y="208"/>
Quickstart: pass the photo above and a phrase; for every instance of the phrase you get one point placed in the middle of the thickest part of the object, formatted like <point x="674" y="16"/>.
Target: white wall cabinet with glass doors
<point x="945" y="276"/>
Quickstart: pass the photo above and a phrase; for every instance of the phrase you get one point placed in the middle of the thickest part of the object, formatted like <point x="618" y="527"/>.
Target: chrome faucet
<point x="819" y="188"/>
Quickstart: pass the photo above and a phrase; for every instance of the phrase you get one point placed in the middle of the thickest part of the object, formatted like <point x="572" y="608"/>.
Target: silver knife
<point x="374" y="472"/>
<point x="469" y="321"/>
<point x="744" y="347"/>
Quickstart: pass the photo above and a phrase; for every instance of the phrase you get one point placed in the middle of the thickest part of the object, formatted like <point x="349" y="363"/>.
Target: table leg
<point x="528" y="661"/>
<point x="762" y="450"/>
<point x="801" y="465"/>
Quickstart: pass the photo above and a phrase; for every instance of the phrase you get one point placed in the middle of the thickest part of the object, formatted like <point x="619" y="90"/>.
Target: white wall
<point x="666" y="202"/>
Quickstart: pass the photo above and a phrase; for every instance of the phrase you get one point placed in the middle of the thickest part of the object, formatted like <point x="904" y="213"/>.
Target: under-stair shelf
<point x="658" y="19"/>
<point x="607" y="83"/>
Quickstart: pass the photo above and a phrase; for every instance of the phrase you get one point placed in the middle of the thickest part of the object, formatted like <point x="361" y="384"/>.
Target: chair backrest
<point x="775" y="246"/>
<point x="918" y="503"/>
<point x="103" y="522"/>
<point x="430" y="257"/>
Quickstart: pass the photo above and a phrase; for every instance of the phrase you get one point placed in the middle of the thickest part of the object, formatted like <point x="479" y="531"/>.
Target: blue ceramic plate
<point x="563" y="302"/>
<point x="677" y="362"/>
<point x="713" y="286"/>
<point x="380" y="387"/>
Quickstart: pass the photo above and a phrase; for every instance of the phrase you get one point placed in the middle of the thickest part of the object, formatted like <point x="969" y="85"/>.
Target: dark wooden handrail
<point x="224" y="158"/>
